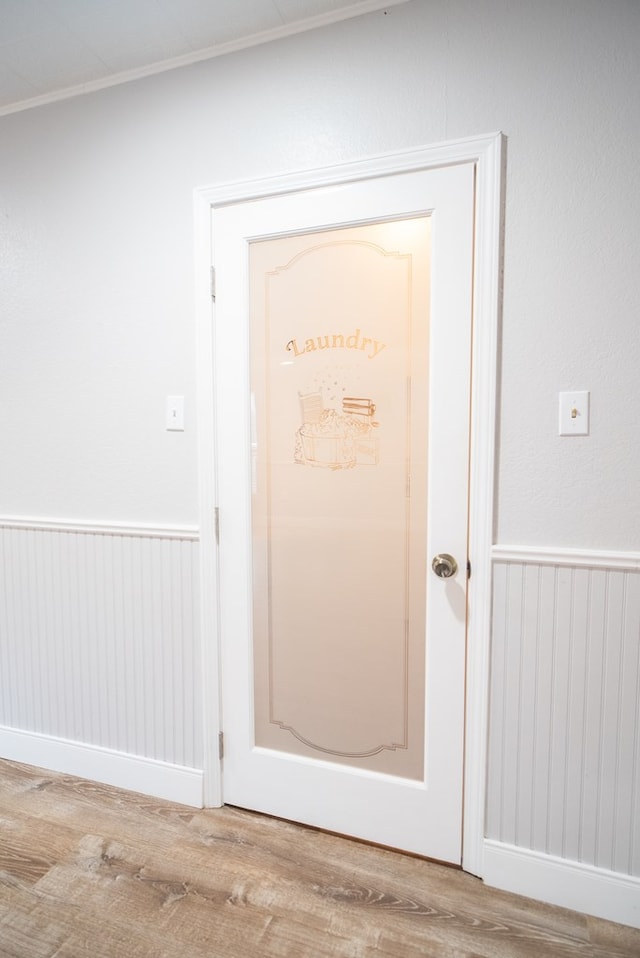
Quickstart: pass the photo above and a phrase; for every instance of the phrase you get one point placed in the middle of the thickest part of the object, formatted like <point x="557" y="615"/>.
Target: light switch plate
<point x="574" y="413"/>
<point x="175" y="413"/>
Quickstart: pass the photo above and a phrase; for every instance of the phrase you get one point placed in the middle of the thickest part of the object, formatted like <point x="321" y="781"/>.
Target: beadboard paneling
<point x="98" y="637"/>
<point x="564" y="740"/>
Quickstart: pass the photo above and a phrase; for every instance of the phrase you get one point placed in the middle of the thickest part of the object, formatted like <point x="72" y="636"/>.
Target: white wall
<point x="96" y="257"/>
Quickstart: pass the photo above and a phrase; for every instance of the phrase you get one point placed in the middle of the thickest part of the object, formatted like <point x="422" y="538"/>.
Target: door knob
<point x="444" y="565"/>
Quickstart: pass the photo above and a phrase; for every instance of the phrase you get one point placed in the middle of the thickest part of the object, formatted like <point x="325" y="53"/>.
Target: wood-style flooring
<point x="88" y="871"/>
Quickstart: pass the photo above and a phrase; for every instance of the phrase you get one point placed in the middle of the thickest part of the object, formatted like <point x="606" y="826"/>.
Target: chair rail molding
<point x="560" y="556"/>
<point x="100" y="527"/>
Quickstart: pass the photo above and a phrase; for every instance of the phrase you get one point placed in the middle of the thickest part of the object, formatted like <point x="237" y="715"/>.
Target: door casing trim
<point x="487" y="153"/>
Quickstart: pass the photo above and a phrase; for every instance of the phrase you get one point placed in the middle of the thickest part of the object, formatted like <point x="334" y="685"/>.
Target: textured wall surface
<point x="99" y="640"/>
<point x="564" y="767"/>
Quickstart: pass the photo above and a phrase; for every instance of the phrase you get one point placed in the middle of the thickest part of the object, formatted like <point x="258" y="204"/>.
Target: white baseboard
<point x="175" y="783"/>
<point x="594" y="891"/>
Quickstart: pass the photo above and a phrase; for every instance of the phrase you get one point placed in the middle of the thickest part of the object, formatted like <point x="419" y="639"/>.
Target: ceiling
<point x="50" y="49"/>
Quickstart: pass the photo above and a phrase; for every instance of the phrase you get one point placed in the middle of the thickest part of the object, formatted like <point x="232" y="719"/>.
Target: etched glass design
<point x="339" y="381"/>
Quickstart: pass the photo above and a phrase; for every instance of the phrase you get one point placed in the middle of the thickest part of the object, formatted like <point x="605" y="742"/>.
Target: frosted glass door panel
<point x="339" y="380"/>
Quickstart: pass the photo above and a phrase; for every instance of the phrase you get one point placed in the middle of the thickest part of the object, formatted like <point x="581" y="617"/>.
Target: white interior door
<point x="343" y="355"/>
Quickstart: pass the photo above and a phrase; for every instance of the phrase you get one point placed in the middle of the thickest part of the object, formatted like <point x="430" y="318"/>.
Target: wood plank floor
<point x="87" y="870"/>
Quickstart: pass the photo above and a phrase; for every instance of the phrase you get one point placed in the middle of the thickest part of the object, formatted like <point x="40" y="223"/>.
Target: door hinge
<point x="468" y="569"/>
<point x="216" y="524"/>
<point x="213" y="283"/>
<point x="220" y="745"/>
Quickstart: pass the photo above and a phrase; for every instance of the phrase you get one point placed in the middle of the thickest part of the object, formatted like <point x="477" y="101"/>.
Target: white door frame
<point x="486" y="152"/>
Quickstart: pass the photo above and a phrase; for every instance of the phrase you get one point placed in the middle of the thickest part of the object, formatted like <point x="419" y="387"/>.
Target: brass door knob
<point x="444" y="565"/>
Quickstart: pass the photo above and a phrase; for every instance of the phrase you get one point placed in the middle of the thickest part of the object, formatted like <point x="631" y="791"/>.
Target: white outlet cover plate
<point x="574" y="413"/>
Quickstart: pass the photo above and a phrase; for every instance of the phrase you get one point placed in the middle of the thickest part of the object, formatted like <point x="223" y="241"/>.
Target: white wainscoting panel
<point x="564" y="738"/>
<point x="98" y="637"/>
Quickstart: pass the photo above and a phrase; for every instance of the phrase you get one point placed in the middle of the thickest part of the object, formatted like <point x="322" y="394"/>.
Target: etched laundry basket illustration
<point x="337" y="440"/>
